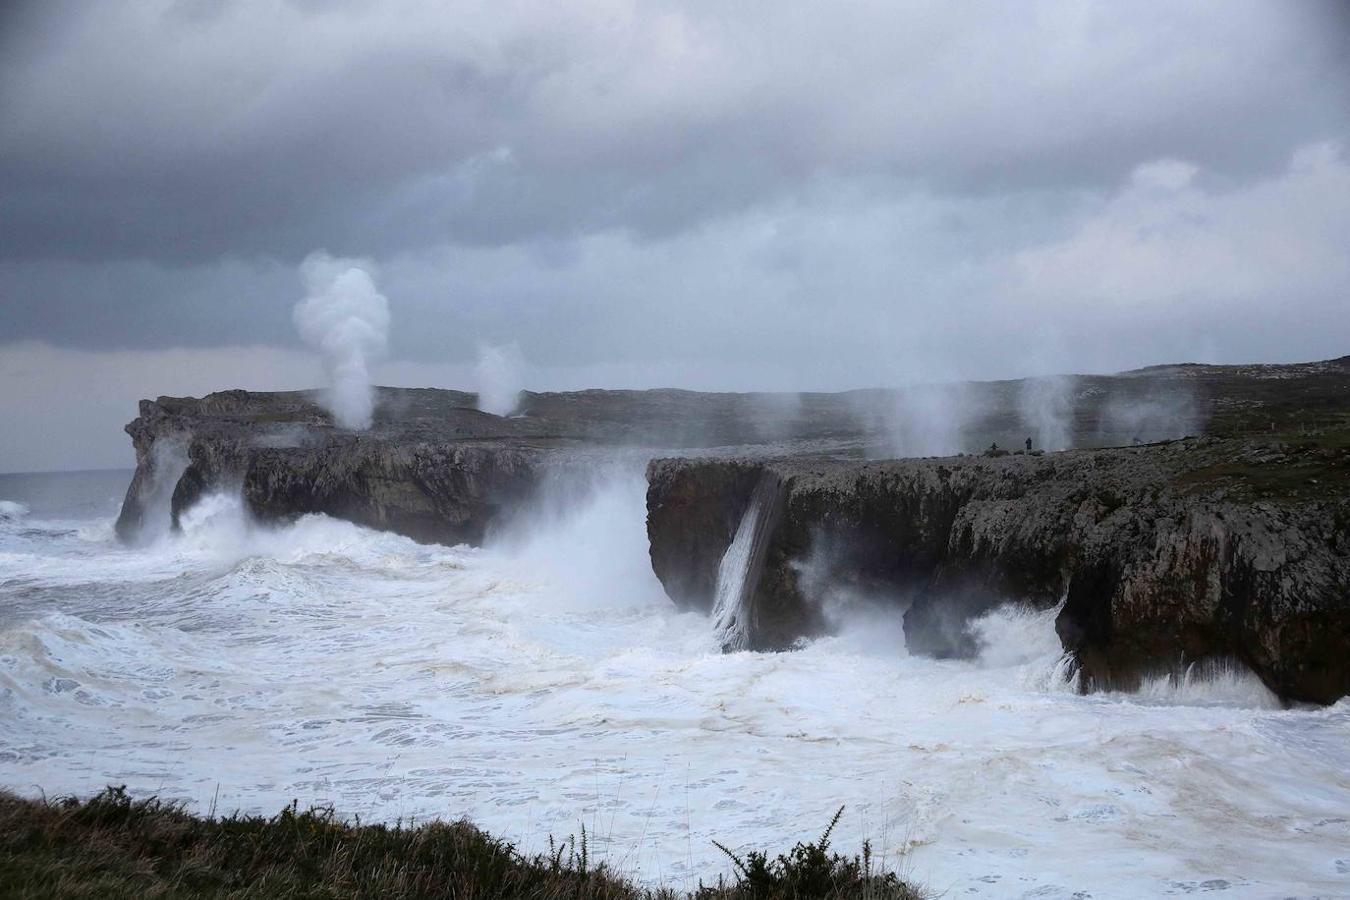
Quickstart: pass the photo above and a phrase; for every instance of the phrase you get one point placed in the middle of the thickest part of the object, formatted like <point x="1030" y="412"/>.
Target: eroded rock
<point x="1158" y="561"/>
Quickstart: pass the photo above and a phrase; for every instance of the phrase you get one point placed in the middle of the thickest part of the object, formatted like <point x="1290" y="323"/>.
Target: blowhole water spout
<point x="739" y="571"/>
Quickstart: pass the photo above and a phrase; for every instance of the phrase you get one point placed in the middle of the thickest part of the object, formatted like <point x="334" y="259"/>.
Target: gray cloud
<point x="712" y="195"/>
<point x="180" y="132"/>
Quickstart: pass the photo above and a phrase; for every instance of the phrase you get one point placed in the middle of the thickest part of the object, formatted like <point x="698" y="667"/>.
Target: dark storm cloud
<point x="181" y="132"/>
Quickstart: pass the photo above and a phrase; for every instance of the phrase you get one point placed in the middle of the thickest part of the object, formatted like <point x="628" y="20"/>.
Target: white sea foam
<point x="11" y="510"/>
<point x="544" y="682"/>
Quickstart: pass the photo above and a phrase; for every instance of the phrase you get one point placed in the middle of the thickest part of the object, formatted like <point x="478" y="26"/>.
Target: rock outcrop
<point x="445" y="477"/>
<point x="1161" y="554"/>
<point x="432" y="466"/>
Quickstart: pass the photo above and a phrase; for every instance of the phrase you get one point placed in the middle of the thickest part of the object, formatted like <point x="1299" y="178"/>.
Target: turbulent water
<point x="545" y="682"/>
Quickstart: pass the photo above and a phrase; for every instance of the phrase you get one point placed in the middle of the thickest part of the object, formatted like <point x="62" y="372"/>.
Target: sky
<point x="725" y="196"/>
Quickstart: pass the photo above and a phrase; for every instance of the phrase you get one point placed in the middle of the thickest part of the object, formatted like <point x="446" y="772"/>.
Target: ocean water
<point x="545" y="682"/>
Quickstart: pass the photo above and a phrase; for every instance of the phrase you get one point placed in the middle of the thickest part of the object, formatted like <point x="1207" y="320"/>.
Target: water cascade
<point x="738" y="573"/>
<point x="169" y="460"/>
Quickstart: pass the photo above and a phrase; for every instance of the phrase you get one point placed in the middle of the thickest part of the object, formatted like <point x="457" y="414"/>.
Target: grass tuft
<point x="809" y="870"/>
<point x="113" y="845"/>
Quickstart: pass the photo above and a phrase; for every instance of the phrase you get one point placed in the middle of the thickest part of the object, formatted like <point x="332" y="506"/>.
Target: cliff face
<point x="432" y="466"/>
<point x="1162" y="554"/>
<point x="446" y="481"/>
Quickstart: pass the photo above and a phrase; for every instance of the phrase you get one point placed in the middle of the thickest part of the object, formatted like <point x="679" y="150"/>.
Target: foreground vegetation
<point x="115" y="846"/>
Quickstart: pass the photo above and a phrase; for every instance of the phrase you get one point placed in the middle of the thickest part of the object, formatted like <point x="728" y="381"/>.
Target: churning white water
<point x="546" y="682"/>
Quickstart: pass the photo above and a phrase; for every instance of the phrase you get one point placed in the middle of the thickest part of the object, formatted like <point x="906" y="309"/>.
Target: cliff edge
<point x="1161" y="555"/>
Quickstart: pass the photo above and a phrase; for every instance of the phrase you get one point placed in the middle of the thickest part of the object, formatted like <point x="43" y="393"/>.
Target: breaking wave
<point x="11" y="511"/>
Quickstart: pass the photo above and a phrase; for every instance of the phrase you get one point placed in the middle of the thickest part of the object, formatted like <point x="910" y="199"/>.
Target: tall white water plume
<point x="346" y="319"/>
<point x="1046" y="406"/>
<point x="1163" y="412"/>
<point x="500" y="373"/>
<point x="168" y="462"/>
<point x="738" y="572"/>
<point x="921" y="420"/>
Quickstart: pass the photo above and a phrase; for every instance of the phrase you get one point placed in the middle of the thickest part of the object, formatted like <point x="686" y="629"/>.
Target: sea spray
<point x="1021" y="639"/>
<point x="500" y="373"/>
<point x="1160" y="412"/>
<point x="738" y="573"/>
<point x="920" y="420"/>
<point x="584" y="532"/>
<point x="11" y="510"/>
<point x="150" y="518"/>
<point x="1046" y="407"/>
<point x="346" y="319"/>
<point x="1208" y="682"/>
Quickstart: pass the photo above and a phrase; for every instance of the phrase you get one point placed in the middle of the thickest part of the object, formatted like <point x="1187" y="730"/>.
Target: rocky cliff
<point x="1162" y="554"/>
<point x="432" y="466"/>
<point x="1222" y="546"/>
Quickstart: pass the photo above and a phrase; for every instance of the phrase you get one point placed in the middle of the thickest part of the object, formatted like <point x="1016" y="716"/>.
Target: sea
<point x="544" y="683"/>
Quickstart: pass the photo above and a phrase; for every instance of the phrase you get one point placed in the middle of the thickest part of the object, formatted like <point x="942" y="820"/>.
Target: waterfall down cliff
<point x="738" y="573"/>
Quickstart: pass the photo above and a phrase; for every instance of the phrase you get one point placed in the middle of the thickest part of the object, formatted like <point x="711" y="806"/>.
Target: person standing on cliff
<point x="1028" y="445"/>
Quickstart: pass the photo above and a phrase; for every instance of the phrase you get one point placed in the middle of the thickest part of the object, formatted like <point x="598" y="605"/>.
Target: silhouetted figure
<point x="994" y="445"/>
<point x="1028" y="445"/>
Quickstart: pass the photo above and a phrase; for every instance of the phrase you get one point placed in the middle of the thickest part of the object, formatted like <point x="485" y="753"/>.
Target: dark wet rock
<point x="423" y="469"/>
<point x="430" y="492"/>
<point x="432" y="466"/>
<point x="1162" y="554"/>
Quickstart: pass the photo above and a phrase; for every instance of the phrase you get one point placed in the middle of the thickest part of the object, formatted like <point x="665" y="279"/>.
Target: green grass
<point x="112" y="845"/>
<point x="1294" y="466"/>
